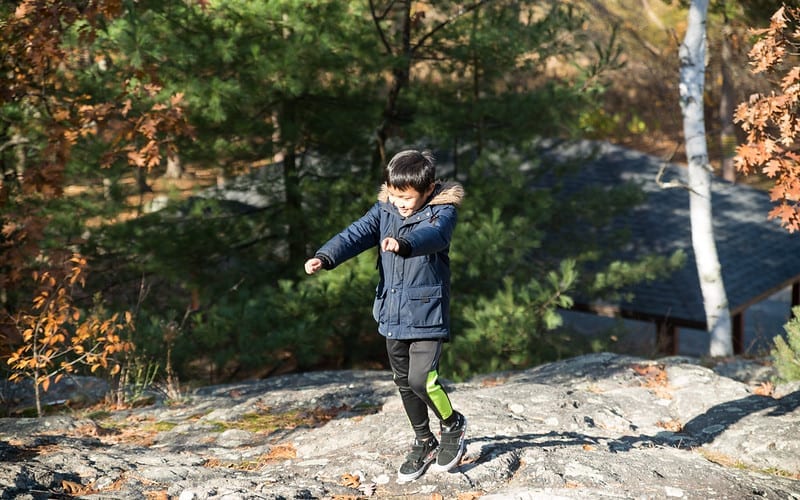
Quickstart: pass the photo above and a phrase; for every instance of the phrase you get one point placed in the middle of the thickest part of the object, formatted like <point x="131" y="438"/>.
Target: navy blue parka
<point x="412" y="299"/>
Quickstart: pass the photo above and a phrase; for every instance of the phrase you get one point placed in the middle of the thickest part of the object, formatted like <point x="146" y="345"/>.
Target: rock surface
<point x="597" y="426"/>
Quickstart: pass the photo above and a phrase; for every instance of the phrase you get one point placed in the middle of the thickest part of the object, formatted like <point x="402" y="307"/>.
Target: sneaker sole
<point x="407" y="478"/>
<point x="435" y="467"/>
<point x="452" y="464"/>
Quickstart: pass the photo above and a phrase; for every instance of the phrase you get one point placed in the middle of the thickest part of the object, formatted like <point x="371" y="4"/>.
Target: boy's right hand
<point x="313" y="265"/>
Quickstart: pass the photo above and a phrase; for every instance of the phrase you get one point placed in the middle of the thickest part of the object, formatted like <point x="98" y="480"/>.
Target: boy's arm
<point x="433" y="237"/>
<point x="354" y="239"/>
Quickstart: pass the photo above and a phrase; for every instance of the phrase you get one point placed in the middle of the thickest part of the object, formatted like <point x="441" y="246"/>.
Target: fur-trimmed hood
<point x="444" y="193"/>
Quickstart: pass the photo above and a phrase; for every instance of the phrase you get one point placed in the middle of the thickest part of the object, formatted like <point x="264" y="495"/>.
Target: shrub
<point x="58" y="337"/>
<point x="786" y="353"/>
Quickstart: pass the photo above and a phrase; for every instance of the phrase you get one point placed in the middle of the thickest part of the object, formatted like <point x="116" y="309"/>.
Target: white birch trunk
<point x="174" y="166"/>
<point x="692" y="75"/>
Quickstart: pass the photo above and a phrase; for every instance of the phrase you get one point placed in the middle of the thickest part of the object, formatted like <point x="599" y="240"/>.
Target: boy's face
<point x="408" y="200"/>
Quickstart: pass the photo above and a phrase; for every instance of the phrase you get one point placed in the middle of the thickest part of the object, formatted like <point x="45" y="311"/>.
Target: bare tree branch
<point x="665" y="163"/>
<point x="671" y="184"/>
<point x="461" y="12"/>
<point x="16" y="141"/>
<point x="377" y="18"/>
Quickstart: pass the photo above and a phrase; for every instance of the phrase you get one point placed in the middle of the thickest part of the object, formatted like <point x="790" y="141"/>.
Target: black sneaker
<point x="453" y="445"/>
<point x="421" y="456"/>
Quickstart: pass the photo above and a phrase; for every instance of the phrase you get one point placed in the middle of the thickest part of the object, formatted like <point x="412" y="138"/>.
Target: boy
<point x="412" y="222"/>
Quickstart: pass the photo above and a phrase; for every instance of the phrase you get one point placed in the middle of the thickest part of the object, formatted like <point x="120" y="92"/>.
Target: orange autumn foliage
<point x="58" y="337"/>
<point x="40" y="72"/>
<point x="771" y="121"/>
<point x="47" y="46"/>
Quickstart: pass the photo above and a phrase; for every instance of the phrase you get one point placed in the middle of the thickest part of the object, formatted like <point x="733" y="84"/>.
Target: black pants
<point x="415" y="368"/>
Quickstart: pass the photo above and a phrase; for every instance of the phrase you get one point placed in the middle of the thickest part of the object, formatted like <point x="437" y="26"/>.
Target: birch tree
<point x="692" y="55"/>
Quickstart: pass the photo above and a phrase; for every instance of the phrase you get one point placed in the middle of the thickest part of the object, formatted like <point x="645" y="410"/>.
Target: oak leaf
<point x="764" y="389"/>
<point x="350" y="481"/>
<point x="74" y="489"/>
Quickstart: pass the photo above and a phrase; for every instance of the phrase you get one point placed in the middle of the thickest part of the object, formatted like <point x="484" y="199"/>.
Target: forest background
<point x="168" y="166"/>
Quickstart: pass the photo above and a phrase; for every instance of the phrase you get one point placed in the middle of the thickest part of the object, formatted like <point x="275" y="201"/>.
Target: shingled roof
<point x="757" y="256"/>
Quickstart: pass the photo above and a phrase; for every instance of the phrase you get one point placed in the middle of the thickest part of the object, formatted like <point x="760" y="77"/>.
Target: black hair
<point x="411" y="169"/>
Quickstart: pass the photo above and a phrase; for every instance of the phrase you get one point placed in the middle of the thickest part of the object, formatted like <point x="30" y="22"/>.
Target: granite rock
<point x="595" y="426"/>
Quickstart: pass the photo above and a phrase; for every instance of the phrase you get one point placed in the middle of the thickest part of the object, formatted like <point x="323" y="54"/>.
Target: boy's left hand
<point x="313" y="265"/>
<point x="390" y="245"/>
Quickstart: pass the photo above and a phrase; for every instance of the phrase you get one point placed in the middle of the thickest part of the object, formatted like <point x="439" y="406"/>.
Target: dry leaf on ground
<point x="350" y="481"/>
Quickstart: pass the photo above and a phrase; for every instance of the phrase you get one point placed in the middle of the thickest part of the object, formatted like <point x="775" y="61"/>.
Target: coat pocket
<point x="377" y="307"/>
<point x="424" y="306"/>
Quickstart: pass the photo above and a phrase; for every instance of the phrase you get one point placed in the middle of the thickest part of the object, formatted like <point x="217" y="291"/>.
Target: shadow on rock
<point x="39" y="484"/>
<point x="11" y="453"/>
<point x="496" y="446"/>
<point x="708" y="426"/>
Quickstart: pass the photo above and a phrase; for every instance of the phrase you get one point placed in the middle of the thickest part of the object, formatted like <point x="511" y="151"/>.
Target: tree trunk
<point x="21" y="157"/>
<point x="14" y="172"/>
<point x="400" y="79"/>
<point x="37" y="392"/>
<point x="294" y="207"/>
<point x="174" y="166"/>
<point x="287" y="135"/>
<point x="379" y="157"/>
<point x="476" y="91"/>
<point x="709" y="271"/>
<point x="726" y="103"/>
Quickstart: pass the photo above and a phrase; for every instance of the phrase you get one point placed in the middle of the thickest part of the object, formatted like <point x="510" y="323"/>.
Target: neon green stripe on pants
<point x="437" y="395"/>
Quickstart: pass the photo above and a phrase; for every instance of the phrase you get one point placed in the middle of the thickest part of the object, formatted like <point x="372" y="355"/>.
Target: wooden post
<point x="738" y="333"/>
<point x="666" y="338"/>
